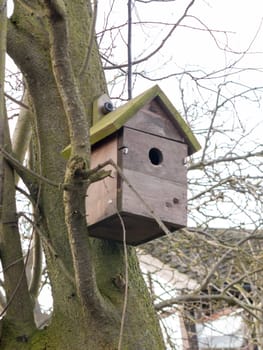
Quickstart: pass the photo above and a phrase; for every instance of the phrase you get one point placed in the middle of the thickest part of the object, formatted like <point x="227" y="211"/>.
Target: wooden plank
<point x="154" y="123"/>
<point x="101" y="197"/>
<point x="138" y="229"/>
<point x="137" y="156"/>
<point x="167" y="199"/>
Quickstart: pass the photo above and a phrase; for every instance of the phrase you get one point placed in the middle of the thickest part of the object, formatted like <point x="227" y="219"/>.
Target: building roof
<point x="116" y="119"/>
<point x="220" y="266"/>
<point x="198" y="252"/>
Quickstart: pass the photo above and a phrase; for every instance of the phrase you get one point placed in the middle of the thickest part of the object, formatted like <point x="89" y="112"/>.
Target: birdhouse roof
<point x="116" y="119"/>
<point x="113" y="121"/>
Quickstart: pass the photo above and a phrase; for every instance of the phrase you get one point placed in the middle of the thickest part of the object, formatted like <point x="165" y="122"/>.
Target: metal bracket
<point x="101" y="106"/>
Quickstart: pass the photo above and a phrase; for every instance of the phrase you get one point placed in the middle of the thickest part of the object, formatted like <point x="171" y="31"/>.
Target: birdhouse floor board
<point x="138" y="229"/>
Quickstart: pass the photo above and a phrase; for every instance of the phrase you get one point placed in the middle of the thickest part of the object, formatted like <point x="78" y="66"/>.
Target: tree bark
<point x="2" y="82"/>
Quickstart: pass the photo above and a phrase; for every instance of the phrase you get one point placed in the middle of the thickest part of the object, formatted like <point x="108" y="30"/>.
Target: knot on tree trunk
<point x="78" y="167"/>
<point x="78" y="173"/>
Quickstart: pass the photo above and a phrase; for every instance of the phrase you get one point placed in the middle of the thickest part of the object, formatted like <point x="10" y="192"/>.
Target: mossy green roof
<point x="113" y="121"/>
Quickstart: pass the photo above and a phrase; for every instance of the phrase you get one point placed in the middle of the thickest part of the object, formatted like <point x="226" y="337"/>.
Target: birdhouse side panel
<point x="153" y="155"/>
<point x="101" y="200"/>
<point x="167" y="199"/>
<point x="159" y="124"/>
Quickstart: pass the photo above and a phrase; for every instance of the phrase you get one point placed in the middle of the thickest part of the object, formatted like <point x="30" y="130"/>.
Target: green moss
<point x="12" y="339"/>
<point x="116" y="119"/>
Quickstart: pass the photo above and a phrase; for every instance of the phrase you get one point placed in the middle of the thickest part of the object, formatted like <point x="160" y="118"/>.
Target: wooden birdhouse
<point x="149" y="141"/>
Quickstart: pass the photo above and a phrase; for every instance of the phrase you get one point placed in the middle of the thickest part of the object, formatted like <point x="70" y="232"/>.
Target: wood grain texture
<point x="156" y="124"/>
<point x="101" y="197"/>
<point x="166" y="198"/>
<point x="139" y="144"/>
<point x="139" y="229"/>
<point x="161" y="182"/>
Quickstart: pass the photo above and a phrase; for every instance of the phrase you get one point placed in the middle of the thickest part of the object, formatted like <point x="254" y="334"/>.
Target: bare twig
<point x="19" y="282"/>
<point x="129" y="50"/>
<point x="3" y="32"/>
<point x="21" y="169"/>
<point x="203" y="164"/>
<point x="125" y="302"/>
<point x="193" y="298"/>
<point x="137" y="194"/>
<point x="50" y="247"/>
<point x="19" y="103"/>
<point x="161" y="44"/>
<point x="65" y="78"/>
<point x="91" y="39"/>
<point x="211" y="188"/>
<point x="28" y="7"/>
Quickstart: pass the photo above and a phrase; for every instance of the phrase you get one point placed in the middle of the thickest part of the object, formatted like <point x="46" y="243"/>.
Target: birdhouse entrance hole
<point x="155" y="156"/>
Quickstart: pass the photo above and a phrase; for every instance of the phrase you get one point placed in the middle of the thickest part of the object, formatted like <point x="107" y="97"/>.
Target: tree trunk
<point x="88" y="304"/>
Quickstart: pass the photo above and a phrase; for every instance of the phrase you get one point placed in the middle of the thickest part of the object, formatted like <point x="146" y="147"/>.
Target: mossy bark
<point x="82" y="319"/>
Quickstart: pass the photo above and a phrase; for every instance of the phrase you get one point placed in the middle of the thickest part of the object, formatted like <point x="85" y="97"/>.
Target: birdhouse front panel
<point x="153" y="120"/>
<point x="155" y="168"/>
<point x="153" y="155"/>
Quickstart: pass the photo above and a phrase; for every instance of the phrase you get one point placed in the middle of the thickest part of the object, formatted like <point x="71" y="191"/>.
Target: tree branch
<point x="3" y="32"/>
<point x="184" y="299"/>
<point x="91" y="40"/>
<point x="19" y="103"/>
<point x="25" y="173"/>
<point x="211" y="188"/>
<point x="28" y="7"/>
<point x="16" y="287"/>
<point x="36" y="269"/>
<point x="65" y="79"/>
<point x="203" y="164"/>
<point x="210" y="129"/>
<point x="19" y="282"/>
<point x="50" y="248"/>
<point x="74" y="203"/>
<point x="22" y="133"/>
<point x="115" y="66"/>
